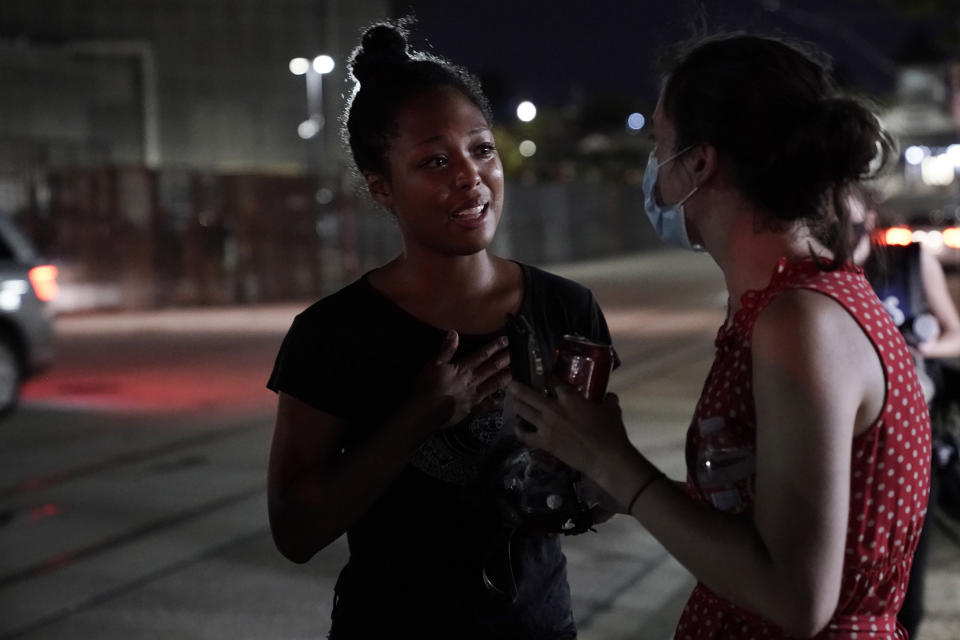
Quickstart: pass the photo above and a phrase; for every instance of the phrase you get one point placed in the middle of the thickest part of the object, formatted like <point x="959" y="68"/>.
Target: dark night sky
<point x="549" y="50"/>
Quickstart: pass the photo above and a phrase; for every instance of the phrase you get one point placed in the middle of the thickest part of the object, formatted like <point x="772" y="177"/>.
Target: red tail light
<point x="951" y="237"/>
<point x="901" y="236"/>
<point x="44" y="281"/>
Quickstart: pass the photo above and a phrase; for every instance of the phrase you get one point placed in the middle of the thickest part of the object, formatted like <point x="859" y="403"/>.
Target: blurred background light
<point x="323" y="64"/>
<point x="900" y="236"/>
<point x="635" y="121"/>
<point x="595" y="143"/>
<point x="953" y="152"/>
<point x="937" y="170"/>
<point x="44" y="281"/>
<point x="526" y="111"/>
<point x="11" y="294"/>
<point x="931" y="240"/>
<point x="299" y="66"/>
<point x="308" y="128"/>
<point x="528" y="148"/>
<point x="324" y="195"/>
<point x="915" y="154"/>
<point x="951" y="237"/>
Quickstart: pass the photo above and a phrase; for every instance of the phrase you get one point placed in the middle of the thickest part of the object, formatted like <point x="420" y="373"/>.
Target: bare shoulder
<point x="807" y="343"/>
<point x="802" y="318"/>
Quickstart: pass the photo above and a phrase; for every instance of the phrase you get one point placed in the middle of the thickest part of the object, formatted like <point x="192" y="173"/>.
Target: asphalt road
<point x="132" y="479"/>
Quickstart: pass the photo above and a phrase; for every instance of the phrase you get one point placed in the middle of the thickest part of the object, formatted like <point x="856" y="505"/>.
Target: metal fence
<point x="129" y="237"/>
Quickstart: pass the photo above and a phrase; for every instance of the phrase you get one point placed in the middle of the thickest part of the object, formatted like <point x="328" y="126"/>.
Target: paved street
<point x="132" y="480"/>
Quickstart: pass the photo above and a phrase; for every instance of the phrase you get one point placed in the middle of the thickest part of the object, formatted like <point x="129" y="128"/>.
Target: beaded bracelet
<point x="643" y="487"/>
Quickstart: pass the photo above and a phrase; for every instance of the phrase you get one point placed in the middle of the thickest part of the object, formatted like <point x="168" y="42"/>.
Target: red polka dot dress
<point x="890" y="466"/>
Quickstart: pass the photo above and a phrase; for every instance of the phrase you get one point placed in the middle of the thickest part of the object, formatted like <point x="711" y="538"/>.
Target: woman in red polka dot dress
<point x="808" y="453"/>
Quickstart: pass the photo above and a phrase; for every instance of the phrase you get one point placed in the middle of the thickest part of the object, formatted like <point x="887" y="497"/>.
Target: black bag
<point x="535" y="490"/>
<point x="532" y="490"/>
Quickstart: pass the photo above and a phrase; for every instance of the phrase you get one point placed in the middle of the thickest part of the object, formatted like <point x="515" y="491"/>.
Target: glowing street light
<point x="313" y="70"/>
<point x="937" y="170"/>
<point x="636" y="121"/>
<point x="299" y="66"/>
<point x="308" y="128"/>
<point x="915" y="155"/>
<point x="526" y="111"/>
<point x="323" y="64"/>
<point x="953" y="152"/>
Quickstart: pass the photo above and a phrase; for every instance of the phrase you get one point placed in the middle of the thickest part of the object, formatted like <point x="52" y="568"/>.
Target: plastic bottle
<point x="725" y="466"/>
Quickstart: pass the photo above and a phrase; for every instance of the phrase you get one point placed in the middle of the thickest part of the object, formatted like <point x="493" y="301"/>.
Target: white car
<point x="27" y="286"/>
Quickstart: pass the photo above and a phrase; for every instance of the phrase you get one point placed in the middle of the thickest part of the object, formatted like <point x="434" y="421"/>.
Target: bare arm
<point x="317" y="490"/>
<point x="786" y="563"/>
<point x="947" y="345"/>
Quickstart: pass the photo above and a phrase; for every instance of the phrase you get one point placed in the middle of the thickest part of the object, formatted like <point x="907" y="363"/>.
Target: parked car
<point x="27" y="287"/>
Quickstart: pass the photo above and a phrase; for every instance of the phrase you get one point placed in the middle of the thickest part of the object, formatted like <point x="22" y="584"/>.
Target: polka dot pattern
<point x="889" y="481"/>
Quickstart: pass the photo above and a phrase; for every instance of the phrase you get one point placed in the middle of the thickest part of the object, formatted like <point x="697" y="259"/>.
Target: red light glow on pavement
<point x="44" y="511"/>
<point x="155" y="390"/>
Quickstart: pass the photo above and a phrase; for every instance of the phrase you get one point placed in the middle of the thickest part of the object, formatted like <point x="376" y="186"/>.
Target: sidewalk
<point x="218" y="577"/>
<point x="649" y="600"/>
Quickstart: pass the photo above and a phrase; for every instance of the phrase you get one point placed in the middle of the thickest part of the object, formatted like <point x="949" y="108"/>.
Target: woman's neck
<point x="441" y="277"/>
<point x="472" y="294"/>
<point x="747" y="252"/>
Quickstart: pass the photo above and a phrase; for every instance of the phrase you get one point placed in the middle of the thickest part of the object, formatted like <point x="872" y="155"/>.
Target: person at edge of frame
<point x="911" y="283"/>
<point x="391" y="389"/>
<point x="808" y="451"/>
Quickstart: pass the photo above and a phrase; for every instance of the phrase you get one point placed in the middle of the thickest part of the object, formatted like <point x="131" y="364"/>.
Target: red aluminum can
<point x="585" y="365"/>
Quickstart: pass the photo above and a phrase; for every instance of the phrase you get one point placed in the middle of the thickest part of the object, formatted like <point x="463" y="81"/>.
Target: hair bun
<point x="853" y="132"/>
<point x="384" y="46"/>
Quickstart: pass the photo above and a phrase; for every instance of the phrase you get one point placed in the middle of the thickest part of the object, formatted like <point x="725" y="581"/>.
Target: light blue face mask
<point x="668" y="220"/>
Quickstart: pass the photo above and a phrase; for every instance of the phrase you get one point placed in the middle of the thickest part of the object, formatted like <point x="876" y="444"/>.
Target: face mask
<point x="667" y="220"/>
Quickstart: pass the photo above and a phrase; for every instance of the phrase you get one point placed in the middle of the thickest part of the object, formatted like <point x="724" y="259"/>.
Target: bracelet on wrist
<point x="643" y="487"/>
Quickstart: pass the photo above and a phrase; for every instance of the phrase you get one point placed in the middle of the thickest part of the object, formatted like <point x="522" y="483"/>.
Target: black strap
<point x="918" y="297"/>
<point x="497" y="571"/>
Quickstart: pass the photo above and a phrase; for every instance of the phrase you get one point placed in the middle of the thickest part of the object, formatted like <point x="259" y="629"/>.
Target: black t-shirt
<point x="417" y="556"/>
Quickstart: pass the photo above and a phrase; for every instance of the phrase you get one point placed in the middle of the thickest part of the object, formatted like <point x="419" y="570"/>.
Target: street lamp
<point x="636" y="121"/>
<point x="299" y="66"/>
<point x="314" y="71"/>
<point x="323" y="64"/>
<point x="528" y="148"/>
<point x="526" y="111"/>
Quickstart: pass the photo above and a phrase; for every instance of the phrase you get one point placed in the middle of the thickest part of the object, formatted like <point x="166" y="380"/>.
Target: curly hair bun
<point x="388" y="73"/>
<point x="383" y="47"/>
<point x="857" y="143"/>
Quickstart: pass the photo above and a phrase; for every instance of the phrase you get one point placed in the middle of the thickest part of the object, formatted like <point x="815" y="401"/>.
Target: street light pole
<point x="313" y="126"/>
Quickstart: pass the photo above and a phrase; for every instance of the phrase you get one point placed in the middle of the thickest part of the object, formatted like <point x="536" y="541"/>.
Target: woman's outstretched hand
<point x="459" y="385"/>
<point x="579" y="432"/>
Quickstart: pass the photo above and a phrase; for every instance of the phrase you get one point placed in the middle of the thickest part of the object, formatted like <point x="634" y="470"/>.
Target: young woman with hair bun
<point x="391" y="389"/>
<point x="808" y="455"/>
